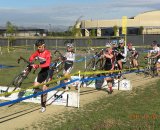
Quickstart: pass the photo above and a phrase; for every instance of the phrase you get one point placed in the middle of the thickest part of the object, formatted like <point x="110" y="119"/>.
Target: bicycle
<point x="150" y="68"/>
<point x="57" y="66"/>
<point x="17" y="81"/>
<point x="95" y="63"/>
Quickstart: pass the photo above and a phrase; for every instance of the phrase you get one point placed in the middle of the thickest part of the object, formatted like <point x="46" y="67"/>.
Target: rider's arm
<point x="158" y="54"/>
<point x="124" y="54"/>
<point x="33" y="56"/>
<point x="108" y="56"/>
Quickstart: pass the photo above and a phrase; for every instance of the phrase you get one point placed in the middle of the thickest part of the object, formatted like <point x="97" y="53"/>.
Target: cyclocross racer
<point x="68" y="65"/>
<point x="44" y="57"/>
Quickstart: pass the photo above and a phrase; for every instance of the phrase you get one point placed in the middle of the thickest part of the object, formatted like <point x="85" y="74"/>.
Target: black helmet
<point x="40" y="42"/>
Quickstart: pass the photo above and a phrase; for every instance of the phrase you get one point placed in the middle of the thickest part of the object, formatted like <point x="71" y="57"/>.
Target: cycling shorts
<point x="42" y="75"/>
<point x="107" y="66"/>
<point x="68" y="66"/>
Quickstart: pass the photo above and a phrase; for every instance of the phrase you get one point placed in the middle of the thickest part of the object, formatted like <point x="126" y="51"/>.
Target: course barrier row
<point x="62" y="85"/>
<point x="62" y="78"/>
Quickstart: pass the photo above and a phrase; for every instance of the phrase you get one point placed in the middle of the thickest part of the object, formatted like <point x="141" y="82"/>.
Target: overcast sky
<point x="66" y="12"/>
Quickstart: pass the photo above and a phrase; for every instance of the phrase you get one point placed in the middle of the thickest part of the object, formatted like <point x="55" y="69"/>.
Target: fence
<point x="81" y="42"/>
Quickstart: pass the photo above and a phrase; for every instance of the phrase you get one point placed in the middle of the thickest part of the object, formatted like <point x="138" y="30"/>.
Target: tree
<point x="10" y="30"/>
<point x="93" y="33"/>
<point x="75" y="29"/>
<point x="141" y="28"/>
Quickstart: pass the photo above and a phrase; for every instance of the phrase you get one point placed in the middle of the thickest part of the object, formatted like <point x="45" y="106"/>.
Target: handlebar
<point x="99" y="53"/>
<point x="21" y="58"/>
<point x="62" y="57"/>
<point x="28" y="62"/>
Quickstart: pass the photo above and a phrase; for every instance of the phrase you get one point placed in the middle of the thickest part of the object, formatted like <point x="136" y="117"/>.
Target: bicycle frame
<point x="17" y="81"/>
<point x="96" y="62"/>
<point x="150" y="67"/>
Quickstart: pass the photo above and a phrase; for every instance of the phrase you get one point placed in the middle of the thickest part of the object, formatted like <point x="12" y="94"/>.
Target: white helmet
<point x="70" y="45"/>
<point x="133" y="48"/>
<point x="121" y="41"/>
<point x="108" y="44"/>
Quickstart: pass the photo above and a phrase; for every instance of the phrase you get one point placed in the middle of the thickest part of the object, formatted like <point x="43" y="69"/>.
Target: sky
<point x="52" y="13"/>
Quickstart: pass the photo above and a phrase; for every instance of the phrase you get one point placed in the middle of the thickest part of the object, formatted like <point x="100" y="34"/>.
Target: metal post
<point x="56" y="44"/>
<point x="78" y="93"/>
<point x="26" y="44"/>
<point x="8" y="46"/>
<point x="85" y="66"/>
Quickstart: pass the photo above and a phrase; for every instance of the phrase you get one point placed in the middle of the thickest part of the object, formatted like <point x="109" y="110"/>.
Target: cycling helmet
<point x="70" y="45"/>
<point x="40" y="42"/>
<point x="133" y="48"/>
<point x="129" y="44"/>
<point x="121" y="41"/>
<point x="114" y="42"/>
<point x="154" y="43"/>
<point x="108" y="45"/>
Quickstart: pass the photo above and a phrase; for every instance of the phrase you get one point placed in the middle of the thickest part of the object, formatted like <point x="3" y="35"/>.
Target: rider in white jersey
<point x="156" y="51"/>
<point x="68" y="65"/>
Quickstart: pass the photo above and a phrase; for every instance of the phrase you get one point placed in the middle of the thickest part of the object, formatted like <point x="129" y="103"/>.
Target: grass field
<point x="10" y="59"/>
<point x="135" y="110"/>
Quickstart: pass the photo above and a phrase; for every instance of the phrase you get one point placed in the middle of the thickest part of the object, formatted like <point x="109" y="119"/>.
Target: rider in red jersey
<point x="44" y="57"/>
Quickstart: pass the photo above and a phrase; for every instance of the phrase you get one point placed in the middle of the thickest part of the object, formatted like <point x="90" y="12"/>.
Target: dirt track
<point x="25" y="114"/>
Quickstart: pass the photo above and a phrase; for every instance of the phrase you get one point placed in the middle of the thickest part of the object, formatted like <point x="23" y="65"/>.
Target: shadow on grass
<point x="26" y="111"/>
<point x="91" y="91"/>
<point x="18" y="114"/>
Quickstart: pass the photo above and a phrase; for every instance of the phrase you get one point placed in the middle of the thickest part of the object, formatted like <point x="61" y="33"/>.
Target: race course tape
<point x="50" y="82"/>
<point x="62" y="78"/>
<point x="59" y="86"/>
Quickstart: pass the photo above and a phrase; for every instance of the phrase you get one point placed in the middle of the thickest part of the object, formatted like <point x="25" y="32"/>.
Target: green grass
<point x="10" y="59"/>
<point x="123" y="111"/>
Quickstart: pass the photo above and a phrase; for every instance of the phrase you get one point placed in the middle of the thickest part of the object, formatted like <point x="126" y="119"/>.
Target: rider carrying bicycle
<point x="156" y="52"/>
<point x="44" y="57"/>
<point x="135" y="56"/>
<point x="68" y="65"/>
<point x="109" y="65"/>
<point x="122" y="53"/>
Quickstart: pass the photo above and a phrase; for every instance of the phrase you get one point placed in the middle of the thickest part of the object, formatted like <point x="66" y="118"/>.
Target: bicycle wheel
<point x="99" y="64"/>
<point x="147" y="70"/>
<point x="153" y="71"/>
<point x="17" y="81"/>
<point x="91" y="66"/>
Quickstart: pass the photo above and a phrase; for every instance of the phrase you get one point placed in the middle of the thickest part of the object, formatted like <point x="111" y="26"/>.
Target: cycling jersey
<point x="155" y="50"/>
<point x="43" y="57"/>
<point x="68" y="66"/>
<point x="134" y="54"/>
<point x="45" y="60"/>
<point x="122" y="53"/>
<point x="70" y="56"/>
<point x="108" y="64"/>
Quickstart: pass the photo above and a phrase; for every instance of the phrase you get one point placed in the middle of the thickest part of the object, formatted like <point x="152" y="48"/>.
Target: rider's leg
<point x="44" y="96"/>
<point x="109" y="83"/>
<point x="67" y="77"/>
<point x="120" y="64"/>
<point x="158" y="68"/>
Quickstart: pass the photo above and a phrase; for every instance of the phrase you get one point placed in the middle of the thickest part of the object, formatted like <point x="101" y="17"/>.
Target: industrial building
<point x="144" y="23"/>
